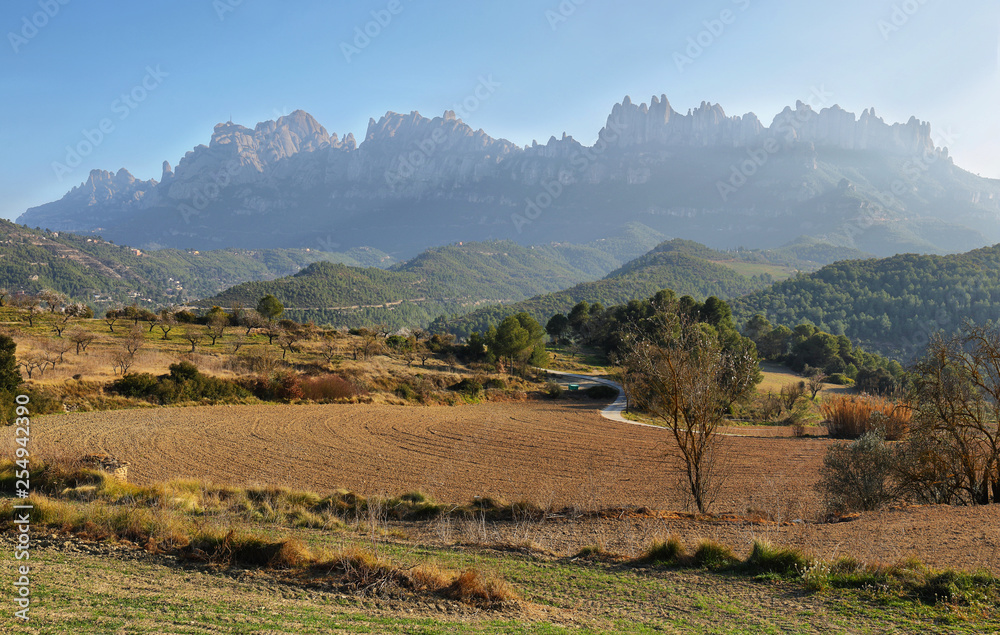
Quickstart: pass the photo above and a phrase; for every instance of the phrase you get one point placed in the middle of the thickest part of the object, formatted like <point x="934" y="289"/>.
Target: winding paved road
<point x="615" y="409"/>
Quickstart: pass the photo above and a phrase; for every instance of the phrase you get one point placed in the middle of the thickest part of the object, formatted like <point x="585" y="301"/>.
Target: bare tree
<point x="217" y="325"/>
<point x="238" y="342"/>
<point x="253" y="320"/>
<point x="677" y="371"/>
<point x="330" y="346"/>
<point x="32" y="363"/>
<point x="237" y="312"/>
<point x="815" y="384"/>
<point x="193" y="336"/>
<point x="273" y="331"/>
<point x="30" y="304"/>
<point x="424" y="353"/>
<point x="957" y="384"/>
<point x="82" y="339"/>
<point x="166" y="322"/>
<point x="55" y="349"/>
<point x="134" y="340"/>
<point x="132" y="312"/>
<point x="290" y="336"/>
<point x="121" y="362"/>
<point x="790" y="393"/>
<point x="59" y="326"/>
<point x="111" y="316"/>
<point x="409" y="353"/>
<point x="370" y="342"/>
<point x="124" y="357"/>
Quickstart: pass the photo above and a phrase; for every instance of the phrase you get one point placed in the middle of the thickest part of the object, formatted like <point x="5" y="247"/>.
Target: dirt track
<point x="563" y="454"/>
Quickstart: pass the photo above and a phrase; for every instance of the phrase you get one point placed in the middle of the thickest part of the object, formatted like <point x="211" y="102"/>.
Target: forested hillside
<point x="890" y="305"/>
<point x="666" y="267"/>
<point x="444" y="280"/>
<point x="98" y="272"/>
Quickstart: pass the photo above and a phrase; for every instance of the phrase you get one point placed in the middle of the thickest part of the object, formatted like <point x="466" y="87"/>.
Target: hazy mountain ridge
<point x="414" y="181"/>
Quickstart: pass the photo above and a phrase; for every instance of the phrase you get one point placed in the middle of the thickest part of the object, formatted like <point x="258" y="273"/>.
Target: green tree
<point x="557" y="327"/>
<point x="270" y="307"/>
<point x="757" y="327"/>
<point x="10" y="378"/>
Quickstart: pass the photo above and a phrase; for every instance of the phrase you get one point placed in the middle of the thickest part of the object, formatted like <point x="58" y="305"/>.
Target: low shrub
<point x="602" y="391"/>
<point x="840" y="379"/>
<point x="42" y="399"/>
<point x="553" y="390"/>
<point x="406" y="392"/>
<point x="184" y="382"/>
<point x="714" y="555"/>
<point x="136" y="385"/>
<point x="495" y="384"/>
<point x="588" y="552"/>
<point x="467" y="386"/>
<point x="665" y="552"/>
<point x="767" y="559"/>
<point x="858" y="476"/>
<point x="286" y="386"/>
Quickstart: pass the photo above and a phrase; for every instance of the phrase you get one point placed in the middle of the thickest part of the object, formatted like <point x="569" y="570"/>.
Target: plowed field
<point x="560" y="454"/>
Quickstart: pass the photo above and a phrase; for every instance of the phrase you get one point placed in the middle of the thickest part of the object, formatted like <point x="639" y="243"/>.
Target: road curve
<point x="615" y="408"/>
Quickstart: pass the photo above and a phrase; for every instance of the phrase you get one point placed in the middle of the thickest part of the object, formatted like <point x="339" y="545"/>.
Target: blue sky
<point x="556" y="66"/>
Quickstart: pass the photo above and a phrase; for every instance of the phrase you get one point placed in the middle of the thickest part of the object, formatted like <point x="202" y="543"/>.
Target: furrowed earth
<point x="558" y="455"/>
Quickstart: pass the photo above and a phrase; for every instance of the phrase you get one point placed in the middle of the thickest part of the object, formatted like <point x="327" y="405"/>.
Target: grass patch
<point x="714" y="555"/>
<point x="668" y="552"/>
<point x="766" y="559"/>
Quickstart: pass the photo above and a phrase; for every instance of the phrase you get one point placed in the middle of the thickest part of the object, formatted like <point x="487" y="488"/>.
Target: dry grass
<point x="473" y="587"/>
<point x="852" y="417"/>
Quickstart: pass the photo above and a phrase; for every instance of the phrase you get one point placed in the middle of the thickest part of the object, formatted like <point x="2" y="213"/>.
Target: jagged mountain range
<point x="412" y="182"/>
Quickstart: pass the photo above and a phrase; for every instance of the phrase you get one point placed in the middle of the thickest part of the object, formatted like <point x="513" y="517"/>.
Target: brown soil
<point x="553" y="454"/>
<point x="550" y="454"/>
<point x="965" y="538"/>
